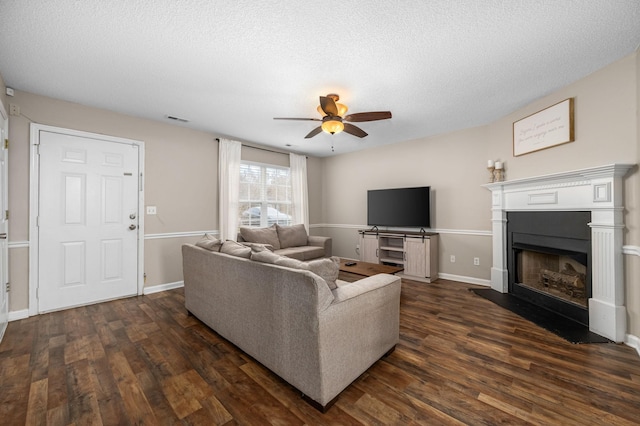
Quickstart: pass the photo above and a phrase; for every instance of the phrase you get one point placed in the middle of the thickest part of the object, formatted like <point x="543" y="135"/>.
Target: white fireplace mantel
<point x="596" y="189"/>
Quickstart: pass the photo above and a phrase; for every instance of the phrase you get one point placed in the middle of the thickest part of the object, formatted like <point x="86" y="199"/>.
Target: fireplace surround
<point x="597" y="191"/>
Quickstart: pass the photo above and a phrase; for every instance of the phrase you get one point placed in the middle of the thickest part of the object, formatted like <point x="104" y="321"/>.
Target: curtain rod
<point x="262" y="149"/>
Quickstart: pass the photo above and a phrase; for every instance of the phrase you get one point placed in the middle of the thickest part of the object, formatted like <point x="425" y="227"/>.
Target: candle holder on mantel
<point x="498" y="174"/>
<point x="492" y="177"/>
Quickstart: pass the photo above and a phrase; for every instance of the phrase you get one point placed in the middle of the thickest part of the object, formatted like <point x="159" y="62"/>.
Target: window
<point x="265" y="195"/>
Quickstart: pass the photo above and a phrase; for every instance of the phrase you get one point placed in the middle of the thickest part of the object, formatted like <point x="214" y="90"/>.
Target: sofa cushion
<point x="235" y="249"/>
<point x="261" y="235"/>
<point x="292" y="236"/>
<point x="257" y="246"/>
<point x="290" y="262"/>
<point x="209" y="242"/>
<point x="328" y="268"/>
<point x="265" y="256"/>
<point x="302" y="253"/>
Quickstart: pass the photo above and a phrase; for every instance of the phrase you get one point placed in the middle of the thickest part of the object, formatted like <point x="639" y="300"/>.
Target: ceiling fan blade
<point x="368" y="116"/>
<point x="299" y="119"/>
<point x="353" y="130"/>
<point x="314" y="132"/>
<point x="328" y="105"/>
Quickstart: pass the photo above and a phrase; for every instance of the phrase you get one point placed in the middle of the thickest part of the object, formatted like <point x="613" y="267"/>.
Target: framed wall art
<point x="547" y="128"/>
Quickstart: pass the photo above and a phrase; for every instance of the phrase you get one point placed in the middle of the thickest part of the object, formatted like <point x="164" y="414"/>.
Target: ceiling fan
<point x="334" y="120"/>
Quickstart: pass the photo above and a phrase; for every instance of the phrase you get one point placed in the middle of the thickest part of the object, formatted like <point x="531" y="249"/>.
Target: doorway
<point x="86" y="226"/>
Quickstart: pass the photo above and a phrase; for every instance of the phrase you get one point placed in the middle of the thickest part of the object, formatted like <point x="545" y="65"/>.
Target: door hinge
<point x="8" y="287"/>
<point x="6" y="144"/>
<point x="6" y="215"/>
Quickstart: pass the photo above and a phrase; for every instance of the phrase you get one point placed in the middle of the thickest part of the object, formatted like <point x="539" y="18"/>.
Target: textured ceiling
<point x="229" y="67"/>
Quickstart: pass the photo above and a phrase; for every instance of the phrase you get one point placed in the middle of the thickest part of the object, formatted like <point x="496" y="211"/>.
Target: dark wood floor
<point x="461" y="360"/>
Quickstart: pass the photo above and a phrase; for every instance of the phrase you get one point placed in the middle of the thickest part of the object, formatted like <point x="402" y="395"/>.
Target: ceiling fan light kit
<point x="333" y="118"/>
<point x="332" y="126"/>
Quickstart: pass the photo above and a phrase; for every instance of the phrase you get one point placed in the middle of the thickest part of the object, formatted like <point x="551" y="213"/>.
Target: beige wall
<point x="607" y="125"/>
<point x="181" y="178"/>
<point x="452" y="164"/>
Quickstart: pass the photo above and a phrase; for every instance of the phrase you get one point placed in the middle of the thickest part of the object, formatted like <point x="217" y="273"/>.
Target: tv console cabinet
<point x="416" y="252"/>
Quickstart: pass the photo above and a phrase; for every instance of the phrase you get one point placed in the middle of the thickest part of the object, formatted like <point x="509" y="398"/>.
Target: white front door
<point x="87" y="220"/>
<point x="4" y="226"/>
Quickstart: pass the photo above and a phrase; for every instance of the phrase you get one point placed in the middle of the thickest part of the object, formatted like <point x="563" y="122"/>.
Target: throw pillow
<point x="327" y="268"/>
<point x="265" y="256"/>
<point x="258" y="246"/>
<point x="290" y="263"/>
<point x="261" y="235"/>
<point x="209" y="242"/>
<point x="292" y="236"/>
<point x="235" y="249"/>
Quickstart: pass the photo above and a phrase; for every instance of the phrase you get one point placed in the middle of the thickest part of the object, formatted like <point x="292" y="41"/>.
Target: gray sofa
<point x="291" y="241"/>
<point x="317" y="339"/>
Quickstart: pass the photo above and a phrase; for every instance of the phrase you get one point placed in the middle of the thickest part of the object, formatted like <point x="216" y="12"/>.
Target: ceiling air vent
<point x="182" y="120"/>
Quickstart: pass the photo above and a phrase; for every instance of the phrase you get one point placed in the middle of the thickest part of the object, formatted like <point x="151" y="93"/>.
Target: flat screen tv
<point x="400" y="207"/>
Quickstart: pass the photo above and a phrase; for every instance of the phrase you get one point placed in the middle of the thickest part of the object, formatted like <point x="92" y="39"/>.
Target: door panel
<point x="416" y="253"/>
<point x="88" y="194"/>
<point x="369" y="248"/>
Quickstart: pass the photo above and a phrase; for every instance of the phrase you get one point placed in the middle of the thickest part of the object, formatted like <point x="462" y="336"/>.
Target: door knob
<point x="132" y="227"/>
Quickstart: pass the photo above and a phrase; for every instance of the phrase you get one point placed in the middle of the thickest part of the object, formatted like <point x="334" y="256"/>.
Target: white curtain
<point x="298" y="167"/>
<point x="228" y="187"/>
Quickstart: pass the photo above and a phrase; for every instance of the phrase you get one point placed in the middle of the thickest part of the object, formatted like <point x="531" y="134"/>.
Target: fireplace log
<point x="561" y="278"/>
<point x="571" y="283"/>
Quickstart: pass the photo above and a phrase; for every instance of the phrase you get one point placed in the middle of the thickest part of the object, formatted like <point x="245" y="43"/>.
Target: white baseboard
<point x="633" y="341"/>
<point x="463" y="279"/>
<point x="18" y="315"/>
<point x="162" y="287"/>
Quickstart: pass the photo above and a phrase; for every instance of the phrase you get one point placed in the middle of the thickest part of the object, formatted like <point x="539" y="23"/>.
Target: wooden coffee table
<point x="367" y="269"/>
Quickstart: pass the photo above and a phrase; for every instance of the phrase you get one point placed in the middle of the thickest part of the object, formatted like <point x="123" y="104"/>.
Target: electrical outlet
<point x="453" y="259"/>
<point x="14" y="109"/>
<point x="476" y="261"/>
<point x="151" y="210"/>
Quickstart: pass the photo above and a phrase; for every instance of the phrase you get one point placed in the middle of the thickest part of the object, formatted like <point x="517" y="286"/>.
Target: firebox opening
<point x="562" y="275"/>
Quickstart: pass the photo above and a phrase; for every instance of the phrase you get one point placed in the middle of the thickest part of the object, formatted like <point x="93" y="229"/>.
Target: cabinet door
<point x="417" y="256"/>
<point x="369" y="248"/>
